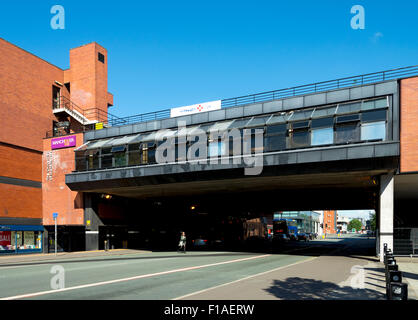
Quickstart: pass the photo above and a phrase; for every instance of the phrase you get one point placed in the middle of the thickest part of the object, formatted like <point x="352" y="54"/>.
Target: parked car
<point x="302" y="236"/>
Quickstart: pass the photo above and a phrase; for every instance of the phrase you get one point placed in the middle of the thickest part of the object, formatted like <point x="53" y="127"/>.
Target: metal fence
<point x="405" y="241"/>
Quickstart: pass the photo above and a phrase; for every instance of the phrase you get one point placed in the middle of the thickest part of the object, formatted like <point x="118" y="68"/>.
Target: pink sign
<point x="63" y="142"/>
<point x="5" y="238"/>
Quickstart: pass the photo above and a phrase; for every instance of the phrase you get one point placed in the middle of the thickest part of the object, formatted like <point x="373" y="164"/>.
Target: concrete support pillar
<point x="386" y="213"/>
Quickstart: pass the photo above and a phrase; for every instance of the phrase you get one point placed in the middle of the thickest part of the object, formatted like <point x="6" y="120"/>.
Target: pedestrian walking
<point x="182" y="243"/>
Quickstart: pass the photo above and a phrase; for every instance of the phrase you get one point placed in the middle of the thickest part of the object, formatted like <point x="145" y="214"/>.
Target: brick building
<point x="330" y="222"/>
<point x="38" y="100"/>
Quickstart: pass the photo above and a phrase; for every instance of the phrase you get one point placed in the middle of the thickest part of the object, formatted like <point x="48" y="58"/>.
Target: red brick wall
<point x="25" y="96"/>
<point x="26" y="115"/>
<point x="408" y="124"/>
<point x="57" y="197"/>
<point x="20" y="164"/>
<point x="88" y="78"/>
<point x="329" y="220"/>
<point x="20" y="202"/>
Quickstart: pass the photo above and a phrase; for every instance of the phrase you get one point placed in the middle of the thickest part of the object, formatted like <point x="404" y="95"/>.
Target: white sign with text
<point x="195" y="108"/>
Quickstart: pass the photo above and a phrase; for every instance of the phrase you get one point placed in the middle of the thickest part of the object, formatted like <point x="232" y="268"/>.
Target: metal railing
<point x="86" y="117"/>
<point x="287" y="92"/>
<point x="405" y="241"/>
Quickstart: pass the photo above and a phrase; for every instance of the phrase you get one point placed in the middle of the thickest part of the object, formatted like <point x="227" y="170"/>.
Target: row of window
<point x="361" y="126"/>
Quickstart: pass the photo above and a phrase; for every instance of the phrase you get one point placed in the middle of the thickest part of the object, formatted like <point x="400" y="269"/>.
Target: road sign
<point x="55" y="215"/>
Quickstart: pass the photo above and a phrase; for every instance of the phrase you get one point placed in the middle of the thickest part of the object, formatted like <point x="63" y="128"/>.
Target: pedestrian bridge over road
<point x="337" y="149"/>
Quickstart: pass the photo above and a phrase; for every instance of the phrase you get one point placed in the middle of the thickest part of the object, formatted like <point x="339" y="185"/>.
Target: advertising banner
<point x="195" y="108"/>
<point x="5" y="238"/>
<point x="63" y="142"/>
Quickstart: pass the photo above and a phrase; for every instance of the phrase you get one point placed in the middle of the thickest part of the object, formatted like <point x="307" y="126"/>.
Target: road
<point x="171" y="275"/>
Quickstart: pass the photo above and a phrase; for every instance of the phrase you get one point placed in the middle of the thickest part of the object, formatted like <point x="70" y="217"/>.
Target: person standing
<point x="182" y="243"/>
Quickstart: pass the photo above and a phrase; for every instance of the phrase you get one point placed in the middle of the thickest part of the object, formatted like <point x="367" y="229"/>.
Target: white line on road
<point x="40" y="293"/>
<point x="249" y="277"/>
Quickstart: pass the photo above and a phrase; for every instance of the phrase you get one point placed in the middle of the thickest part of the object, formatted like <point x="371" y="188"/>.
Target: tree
<point x="373" y="221"/>
<point x="355" y="224"/>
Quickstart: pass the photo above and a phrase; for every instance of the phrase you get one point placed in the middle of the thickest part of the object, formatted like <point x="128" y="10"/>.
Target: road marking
<point x="40" y="293"/>
<point x="41" y="263"/>
<point x="246" y="278"/>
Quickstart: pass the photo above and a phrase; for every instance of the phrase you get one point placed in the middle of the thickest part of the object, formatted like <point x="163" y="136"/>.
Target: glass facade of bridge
<point x="339" y="124"/>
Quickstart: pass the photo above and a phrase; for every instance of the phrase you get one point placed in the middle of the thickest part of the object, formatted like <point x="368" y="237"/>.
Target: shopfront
<point x="20" y="239"/>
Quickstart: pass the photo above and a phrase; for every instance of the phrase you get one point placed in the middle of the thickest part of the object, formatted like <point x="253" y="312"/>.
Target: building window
<point x="107" y="158"/>
<point x="134" y="154"/>
<point x="216" y="148"/>
<point x="148" y="153"/>
<point x="80" y="161"/>
<point x="101" y="57"/>
<point x="373" y="130"/>
<point x="275" y="138"/>
<point x="92" y="159"/>
<point x="119" y="155"/>
<point x="56" y="93"/>
<point x="377" y="115"/>
<point x="347" y="129"/>
<point x="299" y="136"/>
<point x="375" y="104"/>
<point x="322" y="136"/>
<point x="322" y="131"/>
<point x="373" y="125"/>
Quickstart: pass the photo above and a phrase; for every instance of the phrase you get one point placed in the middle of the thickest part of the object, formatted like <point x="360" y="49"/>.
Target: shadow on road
<point x="296" y="288"/>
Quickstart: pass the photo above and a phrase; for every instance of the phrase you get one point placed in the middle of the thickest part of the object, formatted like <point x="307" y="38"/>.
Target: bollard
<point x="392" y="276"/>
<point x="390" y="261"/>
<point x="388" y="256"/>
<point x="395" y="276"/>
<point x="398" y="291"/>
<point x="389" y="268"/>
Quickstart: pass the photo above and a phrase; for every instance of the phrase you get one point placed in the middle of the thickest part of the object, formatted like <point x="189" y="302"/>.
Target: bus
<point x="285" y="226"/>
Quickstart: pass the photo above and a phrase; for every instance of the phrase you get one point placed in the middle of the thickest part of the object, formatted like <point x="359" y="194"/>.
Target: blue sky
<point x="355" y="213"/>
<point x="166" y="54"/>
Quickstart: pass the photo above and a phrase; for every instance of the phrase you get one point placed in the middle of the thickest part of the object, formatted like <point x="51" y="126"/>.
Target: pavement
<point x="34" y="257"/>
<point x="409" y="268"/>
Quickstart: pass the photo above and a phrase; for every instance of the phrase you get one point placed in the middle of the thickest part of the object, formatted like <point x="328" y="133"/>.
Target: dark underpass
<point x="233" y="221"/>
